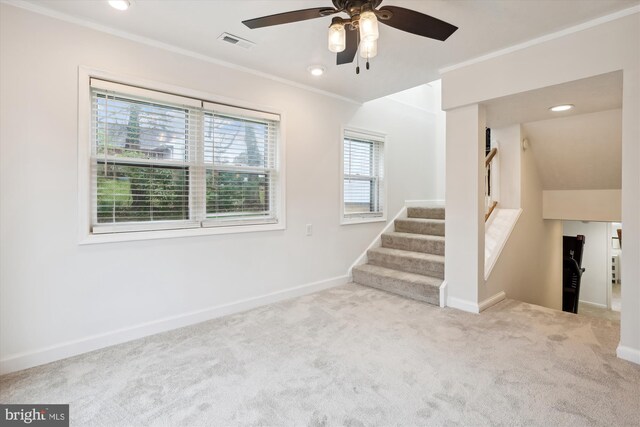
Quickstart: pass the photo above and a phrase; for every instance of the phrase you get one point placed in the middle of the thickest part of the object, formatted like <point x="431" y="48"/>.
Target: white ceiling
<point x="286" y="51"/>
<point x="578" y="152"/>
<point x="598" y="93"/>
<point x="577" y="149"/>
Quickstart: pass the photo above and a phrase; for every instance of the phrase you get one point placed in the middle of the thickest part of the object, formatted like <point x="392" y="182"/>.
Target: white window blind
<point x="240" y="161"/>
<point x="161" y="161"/>
<point x="363" y="172"/>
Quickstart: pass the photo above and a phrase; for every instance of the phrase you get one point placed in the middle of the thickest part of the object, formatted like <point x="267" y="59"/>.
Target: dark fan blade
<point x="418" y="23"/>
<point x="347" y="55"/>
<point x="287" y="17"/>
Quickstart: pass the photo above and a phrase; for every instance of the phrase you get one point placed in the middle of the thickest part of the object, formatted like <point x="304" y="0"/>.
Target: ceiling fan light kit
<point x="369" y="49"/>
<point x="368" y="24"/>
<point x="360" y="30"/>
<point x="337" y="36"/>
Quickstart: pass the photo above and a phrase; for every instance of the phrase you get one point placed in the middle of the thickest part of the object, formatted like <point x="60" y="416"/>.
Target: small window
<point x="162" y="162"/>
<point x="363" y="172"/>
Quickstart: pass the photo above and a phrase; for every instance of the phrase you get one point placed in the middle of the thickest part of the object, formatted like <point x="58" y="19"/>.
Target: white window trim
<point x="374" y="135"/>
<point x="85" y="236"/>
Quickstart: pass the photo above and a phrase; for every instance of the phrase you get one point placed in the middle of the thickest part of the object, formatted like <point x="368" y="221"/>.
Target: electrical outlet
<point x="309" y="229"/>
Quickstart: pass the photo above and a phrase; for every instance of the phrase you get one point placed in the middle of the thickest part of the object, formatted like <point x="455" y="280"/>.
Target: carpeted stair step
<point x="416" y="286"/>
<point x="434" y="227"/>
<point x="426" y="213"/>
<point x="410" y="262"/>
<point x="414" y="242"/>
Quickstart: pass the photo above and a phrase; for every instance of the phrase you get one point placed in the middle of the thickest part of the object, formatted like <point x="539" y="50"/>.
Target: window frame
<point x="233" y="217"/>
<point x="382" y="181"/>
<point x="158" y="230"/>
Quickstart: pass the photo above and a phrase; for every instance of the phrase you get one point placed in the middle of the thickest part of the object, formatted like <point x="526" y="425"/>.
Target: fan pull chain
<point x="357" y="56"/>
<point x="367" y="59"/>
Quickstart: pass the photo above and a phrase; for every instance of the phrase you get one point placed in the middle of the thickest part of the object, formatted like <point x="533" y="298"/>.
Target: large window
<point x="162" y="161"/>
<point x="363" y="172"/>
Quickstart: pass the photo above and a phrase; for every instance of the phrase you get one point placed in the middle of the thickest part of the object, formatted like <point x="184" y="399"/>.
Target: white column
<point x="464" y="226"/>
<point x="629" y="347"/>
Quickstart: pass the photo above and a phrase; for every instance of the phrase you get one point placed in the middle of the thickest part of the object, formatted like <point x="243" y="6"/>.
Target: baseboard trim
<point x="491" y="301"/>
<point x="491" y="262"/>
<point x="592" y="304"/>
<point x="461" y="304"/>
<point x="443" y="294"/>
<point x="629" y="354"/>
<point x="472" y="307"/>
<point x="22" y="361"/>
<point x="377" y="241"/>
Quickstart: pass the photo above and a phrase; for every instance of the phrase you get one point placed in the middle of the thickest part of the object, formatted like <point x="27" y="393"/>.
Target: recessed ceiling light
<point x="563" y="107"/>
<point x="316" y="70"/>
<point x="120" y="4"/>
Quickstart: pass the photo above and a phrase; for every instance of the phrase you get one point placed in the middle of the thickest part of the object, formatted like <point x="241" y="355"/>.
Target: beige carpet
<point x="592" y="311"/>
<point x="352" y="356"/>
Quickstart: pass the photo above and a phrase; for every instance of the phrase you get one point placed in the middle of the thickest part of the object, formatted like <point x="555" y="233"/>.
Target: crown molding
<point x="31" y="7"/>
<point x="547" y="37"/>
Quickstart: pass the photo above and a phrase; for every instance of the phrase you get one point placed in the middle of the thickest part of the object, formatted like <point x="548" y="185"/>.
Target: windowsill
<point x="349" y="221"/>
<point x="91" y="239"/>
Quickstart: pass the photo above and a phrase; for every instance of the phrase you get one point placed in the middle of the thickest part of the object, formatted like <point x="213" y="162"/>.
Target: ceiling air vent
<point x="235" y="40"/>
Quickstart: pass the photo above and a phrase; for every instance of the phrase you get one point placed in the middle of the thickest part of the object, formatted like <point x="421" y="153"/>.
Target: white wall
<point x="428" y="97"/>
<point x="441" y="138"/>
<point x="595" y="260"/>
<point x="601" y="48"/>
<point x="509" y="162"/>
<point x="411" y="140"/>
<point x="58" y="298"/>
<point x="464" y="223"/>
<point x="420" y="97"/>
<point x="583" y="205"/>
<point x="529" y="268"/>
<point x="579" y="151"/>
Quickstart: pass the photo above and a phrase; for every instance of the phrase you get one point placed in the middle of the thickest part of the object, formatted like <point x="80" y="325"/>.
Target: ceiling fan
<point x="360" y="29"/>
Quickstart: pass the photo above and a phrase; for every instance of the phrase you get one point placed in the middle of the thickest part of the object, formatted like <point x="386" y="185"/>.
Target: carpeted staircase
<point x="411" y="260"/>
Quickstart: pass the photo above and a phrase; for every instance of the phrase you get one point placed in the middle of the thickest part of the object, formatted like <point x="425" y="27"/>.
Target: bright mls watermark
<point x="34" y="415"/>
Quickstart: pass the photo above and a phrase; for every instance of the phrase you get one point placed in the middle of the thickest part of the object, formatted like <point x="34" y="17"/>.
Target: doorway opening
<point x="598" y="256"/>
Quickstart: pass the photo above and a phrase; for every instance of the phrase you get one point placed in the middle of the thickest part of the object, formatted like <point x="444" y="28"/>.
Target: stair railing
<point x="489" y="202"/>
